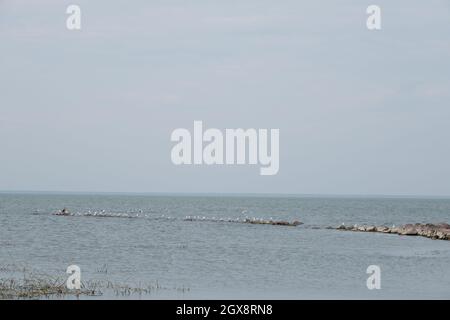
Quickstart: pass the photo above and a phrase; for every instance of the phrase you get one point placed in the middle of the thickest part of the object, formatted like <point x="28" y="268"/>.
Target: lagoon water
<point x="144" y="239"/>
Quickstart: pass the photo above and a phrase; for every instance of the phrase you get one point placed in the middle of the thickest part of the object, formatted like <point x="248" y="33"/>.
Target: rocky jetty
<point x="440" y="231"/>
<point x="272" y="222"/>
<point x="247" y="220"/>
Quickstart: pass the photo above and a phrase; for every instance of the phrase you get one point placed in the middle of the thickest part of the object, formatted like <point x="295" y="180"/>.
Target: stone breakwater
<point x="274" y="223"/>
<point x="141" y="214"/>
<point x="247" y="220"/>
<point x="440" y="231"/>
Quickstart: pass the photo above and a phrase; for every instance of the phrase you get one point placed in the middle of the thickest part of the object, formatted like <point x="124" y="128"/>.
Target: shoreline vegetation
<point x="39" y="287"/>
<point x="23" y="284"/>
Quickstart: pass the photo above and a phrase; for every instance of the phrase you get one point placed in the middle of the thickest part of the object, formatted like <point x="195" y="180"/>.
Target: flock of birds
<point x="141" y="214"/>
<point x="236" y="220"/>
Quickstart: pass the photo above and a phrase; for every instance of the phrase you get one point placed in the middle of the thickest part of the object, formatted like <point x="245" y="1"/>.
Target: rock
<point x="441" y="235"/>
<point x="395" y="230"/>
<point x="383" y="229"/>
<point x="408" y="230"/>
<point x="440" y="231"/>
<point x="443" y="225"/>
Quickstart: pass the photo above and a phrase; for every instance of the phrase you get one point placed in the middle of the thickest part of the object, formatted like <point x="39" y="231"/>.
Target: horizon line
<point x="226" y="194"/>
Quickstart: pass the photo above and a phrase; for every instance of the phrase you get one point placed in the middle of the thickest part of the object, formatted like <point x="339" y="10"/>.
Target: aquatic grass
<point x="37" y="287"/>
<point x="141" y="289"/>
<point x="13" y="268"/>
<point x="34" y="285"/>
<point x="103" y="269"/>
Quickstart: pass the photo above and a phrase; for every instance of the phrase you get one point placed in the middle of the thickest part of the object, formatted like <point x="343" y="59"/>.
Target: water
<point x="142" y="239"/>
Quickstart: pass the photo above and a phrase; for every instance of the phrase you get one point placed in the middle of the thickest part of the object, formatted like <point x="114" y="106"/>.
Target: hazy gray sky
<point x="359" y="111"/>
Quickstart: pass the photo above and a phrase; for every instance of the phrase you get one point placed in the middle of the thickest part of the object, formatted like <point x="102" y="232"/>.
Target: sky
<point x="359" y="111"/>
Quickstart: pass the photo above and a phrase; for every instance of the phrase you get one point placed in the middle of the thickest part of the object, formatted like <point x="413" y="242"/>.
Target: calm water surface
<point x="145" y="239"/>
